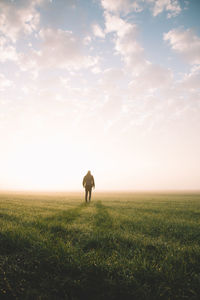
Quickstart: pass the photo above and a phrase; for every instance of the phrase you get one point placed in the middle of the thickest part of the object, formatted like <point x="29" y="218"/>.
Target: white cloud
<point x="171" y="6"/>
<point x="4" y="82"/>
<point x="110" y="78"/>
<point x="59" y="49"/>
<point x="18" y="17"/>
<point x="116" y="24"/>
<point x="152" y="78"/>
<point x="121" y="5"/>
<point x="97" y="30"/>
<point x="126" y="43"/>
<point x="186" y="43"/>
<point x="87" y="40"/>
<point x="146" y="78"/>
<point x="191" y="81"/>
<point x="96" y="70"/>
<point x="8" y="53"/>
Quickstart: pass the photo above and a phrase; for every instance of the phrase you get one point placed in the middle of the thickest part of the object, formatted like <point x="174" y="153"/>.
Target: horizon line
<point x="101" y="191"/>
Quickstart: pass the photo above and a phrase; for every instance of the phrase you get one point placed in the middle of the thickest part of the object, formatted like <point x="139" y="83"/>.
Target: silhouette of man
<point x="88" y="184"/>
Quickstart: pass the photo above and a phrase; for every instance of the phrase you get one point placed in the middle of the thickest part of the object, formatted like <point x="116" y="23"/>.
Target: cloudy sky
<point x="111" y="86"/>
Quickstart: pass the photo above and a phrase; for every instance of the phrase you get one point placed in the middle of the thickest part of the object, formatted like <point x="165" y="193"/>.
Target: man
<point x="88" y="184"/>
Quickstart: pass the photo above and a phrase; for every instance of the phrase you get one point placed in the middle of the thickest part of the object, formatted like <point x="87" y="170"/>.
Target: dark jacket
<point x="88" y="180"/>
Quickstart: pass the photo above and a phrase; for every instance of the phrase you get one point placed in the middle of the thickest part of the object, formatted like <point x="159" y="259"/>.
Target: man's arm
<point x="93" y="182"/>
<point x="83" y="181"/>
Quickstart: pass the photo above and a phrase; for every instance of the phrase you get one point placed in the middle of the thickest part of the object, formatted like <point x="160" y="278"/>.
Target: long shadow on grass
<point x="108" y="237"/>
<point x="23" y="233"/>
<point x="59" y="224"/>
<point x="67" y="216"/>
<point x="102" y="219"/>
<point x="101" y="237"/>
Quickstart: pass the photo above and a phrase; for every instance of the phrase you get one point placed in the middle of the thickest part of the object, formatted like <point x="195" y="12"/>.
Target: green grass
<point x="121" y="246"/>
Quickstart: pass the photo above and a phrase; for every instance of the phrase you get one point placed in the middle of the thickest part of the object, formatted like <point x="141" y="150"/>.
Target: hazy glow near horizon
<point x="111" y="86"/>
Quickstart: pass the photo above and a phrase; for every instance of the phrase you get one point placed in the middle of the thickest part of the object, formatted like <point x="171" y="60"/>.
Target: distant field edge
<point x="98" y="191"/>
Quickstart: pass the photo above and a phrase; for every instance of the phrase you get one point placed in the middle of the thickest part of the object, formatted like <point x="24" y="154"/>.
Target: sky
<point x="111" y="86"/>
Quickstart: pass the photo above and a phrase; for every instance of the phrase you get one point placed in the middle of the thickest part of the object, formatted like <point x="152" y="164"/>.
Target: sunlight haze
<point x="111" y="86"/>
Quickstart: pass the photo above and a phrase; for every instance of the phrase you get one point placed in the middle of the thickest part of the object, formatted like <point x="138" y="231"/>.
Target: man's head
<point x="88" y="172"/>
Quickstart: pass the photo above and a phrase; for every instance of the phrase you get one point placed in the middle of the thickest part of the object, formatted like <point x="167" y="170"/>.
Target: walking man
<point x="88" y="184"/>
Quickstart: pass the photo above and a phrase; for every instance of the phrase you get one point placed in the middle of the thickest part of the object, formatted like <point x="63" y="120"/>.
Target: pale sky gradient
<point x="111" y="86"/>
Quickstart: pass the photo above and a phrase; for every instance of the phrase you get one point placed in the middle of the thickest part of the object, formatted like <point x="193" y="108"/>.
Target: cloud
<point x="4" y="82"/>
<point x="152" y="78"/>
<point x="110" y="79"/>
<point x="121" y="5"/>
<point x="186" y="43"/>
<point x="146" y="77"/>
<point x="18" y="17"/>
<point x="97" y="30"/>
<point x="59" y="49"/>
<point x="171" y="6"/>
<point x="7" y="51"/>
<point x="191" y="80"/>
<point x="126" y="43"/>
<point x="87" y="40"/>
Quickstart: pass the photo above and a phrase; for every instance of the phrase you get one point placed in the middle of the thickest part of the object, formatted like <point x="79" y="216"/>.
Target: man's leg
<point x="86" y="194"/>
<point x="90" y="193"/>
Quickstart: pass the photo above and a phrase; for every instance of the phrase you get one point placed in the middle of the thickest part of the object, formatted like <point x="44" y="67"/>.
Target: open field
<point x="121" y="246"/>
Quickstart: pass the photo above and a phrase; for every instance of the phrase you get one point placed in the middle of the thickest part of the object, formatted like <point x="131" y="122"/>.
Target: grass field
<point x="121" y="246"/>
